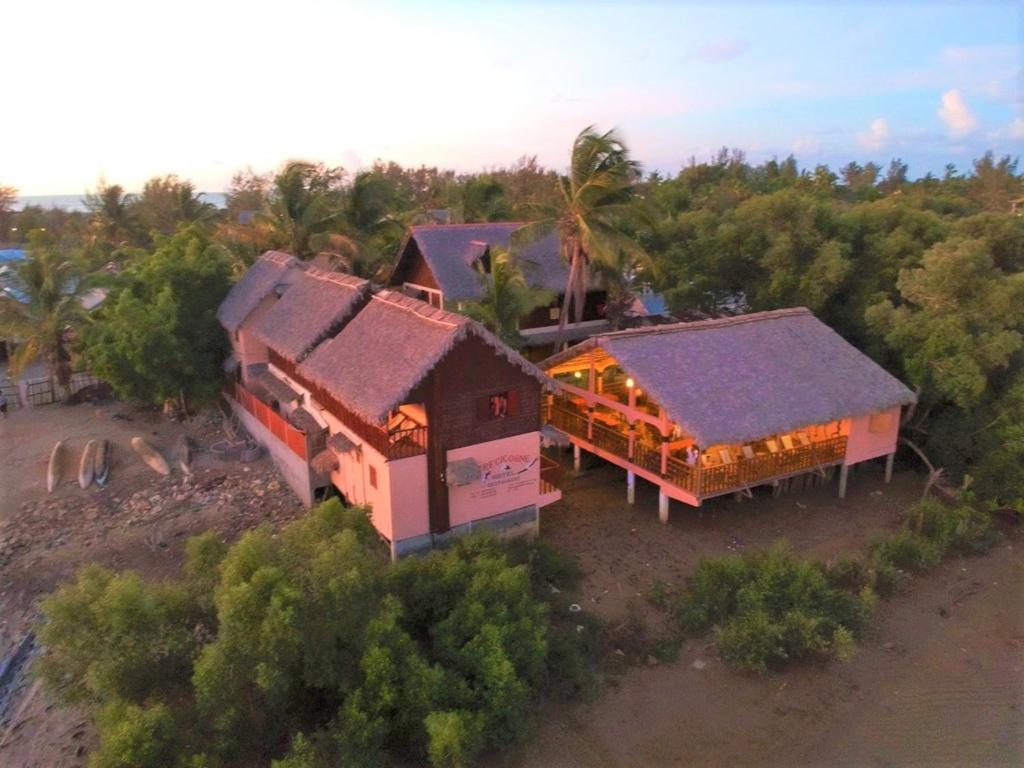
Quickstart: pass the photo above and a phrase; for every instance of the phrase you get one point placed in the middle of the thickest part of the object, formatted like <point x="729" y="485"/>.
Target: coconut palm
<point x="112" y="212"/>
<point x="305" y="200"/>
<point x="599" y="198"/>
<point x="40" y="309"/>
<point x="507" y="298"/>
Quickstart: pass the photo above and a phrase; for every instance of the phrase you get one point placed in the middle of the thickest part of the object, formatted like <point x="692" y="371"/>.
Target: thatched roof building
<point x="741" y="378"/>
<point x="255" y="285"/>
<point x="310" y="310"/>
<point x="452" y="251"/>
<point x="388" y="348"/>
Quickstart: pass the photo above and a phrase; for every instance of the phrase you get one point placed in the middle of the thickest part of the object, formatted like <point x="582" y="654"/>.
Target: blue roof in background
<point x="11" y="254"/>
<point x="654" y="303"/>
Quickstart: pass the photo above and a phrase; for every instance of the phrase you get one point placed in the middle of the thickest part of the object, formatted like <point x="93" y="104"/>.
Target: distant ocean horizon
<point x="77" y="202"/>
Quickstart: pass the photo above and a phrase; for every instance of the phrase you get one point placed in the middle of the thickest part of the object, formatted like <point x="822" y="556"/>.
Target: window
<point x="880" y="422"/>
<point x="373" y="477"/>
<point x="499" y="405"/>
<point x="554" y="313"/>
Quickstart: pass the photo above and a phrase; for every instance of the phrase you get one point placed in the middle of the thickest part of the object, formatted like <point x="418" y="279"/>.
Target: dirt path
<point x="939" y="681"/>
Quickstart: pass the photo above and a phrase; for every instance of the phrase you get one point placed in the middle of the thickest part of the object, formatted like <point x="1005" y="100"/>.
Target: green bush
<point x="769" y="608"/>
<point x="908" y="551"/>
<point x="132" y="736"/>
<point x="963" y="528"/>
<point x="310" y="637"/>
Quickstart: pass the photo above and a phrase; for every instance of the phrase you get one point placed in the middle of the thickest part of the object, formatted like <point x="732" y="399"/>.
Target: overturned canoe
<point x="101" y="463"/>
<point x="56" y="466"/>
<point x="183" y="453"/>
<point x="151" y="456"/>
<point x="85" y="465"/>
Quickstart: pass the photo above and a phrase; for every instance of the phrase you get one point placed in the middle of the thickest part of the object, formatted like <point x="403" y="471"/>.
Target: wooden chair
<point x="748" y="452"/>
<point x="803" y="439"/>
<point x="725" y="455"/>
<point x="787" y="442"/>
<point x="773" y="447"/>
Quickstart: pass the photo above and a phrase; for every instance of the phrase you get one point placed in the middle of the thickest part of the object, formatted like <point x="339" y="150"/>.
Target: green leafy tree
<point x="157" y="337"/>
<point x="113" y="215"/>
<point x="599" y="199"/>
<point x="305" y="200"/>
<point x="508" y="297"/>
<point x="168" y="202"/>
<point x="42" y="308"/>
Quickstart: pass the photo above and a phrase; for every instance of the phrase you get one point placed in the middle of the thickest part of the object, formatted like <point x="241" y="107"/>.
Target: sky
<point x="129" y="90"/>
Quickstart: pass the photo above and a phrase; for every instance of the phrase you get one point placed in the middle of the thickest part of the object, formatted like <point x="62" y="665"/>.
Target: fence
<point x="294" y="438"/>
<point x="44" y="391"/>
<point x="10" y="390"/>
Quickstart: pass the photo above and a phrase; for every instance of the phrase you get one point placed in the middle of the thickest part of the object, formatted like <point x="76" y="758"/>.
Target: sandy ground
<point x="939" y="681"/>
<point x="139" y="521"/>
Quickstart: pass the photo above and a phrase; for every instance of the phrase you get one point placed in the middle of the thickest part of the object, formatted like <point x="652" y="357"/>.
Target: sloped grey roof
<point x="742" y="378"/>
<point x="388" y="348"/>
<point x="451" y="250"/>
<point x="313" y="307"/>
<point x="252" y="287"/>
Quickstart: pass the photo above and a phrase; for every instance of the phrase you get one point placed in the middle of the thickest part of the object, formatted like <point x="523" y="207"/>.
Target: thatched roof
<point x="325" y="462"/>
<point x="451" y="250"/>
<point x="260" y="279"/>
<point x="310" y="310"/>
<point x="741" y="378"/>
<point x="387" y="349"/>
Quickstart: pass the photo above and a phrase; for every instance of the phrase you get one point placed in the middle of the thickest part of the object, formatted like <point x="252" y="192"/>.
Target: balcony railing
<point x="397" y="444"/>
<point x="701" y="481"/>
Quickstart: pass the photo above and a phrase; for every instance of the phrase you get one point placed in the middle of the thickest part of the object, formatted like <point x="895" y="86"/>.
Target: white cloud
<point x="877" y="135"/>
<point x="1017" y="129"/>
<point x="955" y="113"/>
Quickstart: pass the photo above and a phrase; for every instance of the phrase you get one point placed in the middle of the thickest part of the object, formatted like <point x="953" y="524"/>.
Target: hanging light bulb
<point x="578" y="374"/>
<point x="630" y="382"/>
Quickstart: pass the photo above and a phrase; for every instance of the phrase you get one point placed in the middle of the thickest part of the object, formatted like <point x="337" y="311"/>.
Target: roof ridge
<point x="339" y="278"/>
<point x="468" y="224"/>
<point x="278" y="257"/>
<point x="416" y="307"/>
<point x="714" y="322"/>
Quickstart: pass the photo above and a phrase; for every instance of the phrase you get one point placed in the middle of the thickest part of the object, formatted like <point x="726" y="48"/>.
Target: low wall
<point x="294" y="470"/>
<point x="518" y="522"/>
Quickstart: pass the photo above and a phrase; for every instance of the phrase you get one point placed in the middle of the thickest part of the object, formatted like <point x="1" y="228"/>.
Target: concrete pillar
<point x="662" y="506"/>
<point x="630" y="487"/>
<point x="575" y="458"/>
<point x="888" y="466"/>
<point x="844" y="471"/>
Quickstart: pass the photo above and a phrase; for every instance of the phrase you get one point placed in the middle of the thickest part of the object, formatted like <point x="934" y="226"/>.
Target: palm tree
<point x="508" y="297"/>
<point x="39" y="310"/>
<point x="599" y="197"/>
<point x="112" y="213"/>
<point x="305" y="200"/>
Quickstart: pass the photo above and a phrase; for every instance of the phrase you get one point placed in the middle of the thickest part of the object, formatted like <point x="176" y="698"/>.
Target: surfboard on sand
<point x="151" y="456"/>
<point x="85" y="466"/>
<point x="183" y="454"/>
<point x="56" y="466"/>
<point x="101" y="463"/>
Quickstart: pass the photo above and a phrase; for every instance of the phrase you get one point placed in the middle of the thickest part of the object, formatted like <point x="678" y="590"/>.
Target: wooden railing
<point x="550" y="475"/>
<point x="279" y="427"/>
<point x="400" y="444"/>
<point x="706" y="480"/>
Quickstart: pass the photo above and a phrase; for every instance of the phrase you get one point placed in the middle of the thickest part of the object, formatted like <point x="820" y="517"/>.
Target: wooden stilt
<point x="575" y="458"/>
<point x="844" y="472"/>
<point x="889" y="460"/>
<point x="630" y="487"/>
<point x="662" y="506"/>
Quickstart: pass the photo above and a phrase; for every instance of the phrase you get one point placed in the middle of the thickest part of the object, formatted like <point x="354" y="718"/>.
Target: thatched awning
<point x="257" y="283"/>
<point x="340" y="444"/>
<point x="273" y="387"/>
<point x="741" y="378"/>
<point x="324" y="462"/>
<point x="311" y="309"/>
<point x="304" y="421"/>
<point x="387" y="349"/>
<point x="462" y="472"/>
<point x="451" y="251"/>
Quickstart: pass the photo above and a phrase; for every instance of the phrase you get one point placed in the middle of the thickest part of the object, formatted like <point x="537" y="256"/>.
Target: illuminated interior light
<point x="629" y="383"/>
